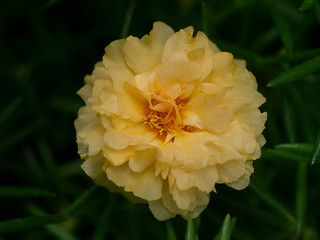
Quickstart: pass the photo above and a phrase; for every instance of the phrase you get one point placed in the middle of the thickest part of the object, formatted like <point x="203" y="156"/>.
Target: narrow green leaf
<point x="316" y="150"/>
<point x="190" y="234"/>
<point x="170" y="231"/>
<point x="15" y="138"/>
<point x="302" y="148"/>
<point x="272" y="203"/>
<point x="296" y="72"/>
<point x="103" y="226"/>
<point x="307" y="4"/>
<point x="20" y="224"/>
<point x="34" y="168"/>
<point x="316" y="11"/>
<point x="81" y="200"/>
<point x="59" y="232"/>
<point x="282" y="27"/>
<point x="226" y="229"/>
<point x="289" y="120"/>
<point x="21" y="192"/>
<point x="128" y="18"/>
<point x="301" y="196"/>
<point x="205" y="22"/>
<point x="288" y="155"/>
<point x="9" y="110"/>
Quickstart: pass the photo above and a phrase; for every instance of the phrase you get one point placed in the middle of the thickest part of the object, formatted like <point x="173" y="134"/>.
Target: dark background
<point x="46" y="49"/>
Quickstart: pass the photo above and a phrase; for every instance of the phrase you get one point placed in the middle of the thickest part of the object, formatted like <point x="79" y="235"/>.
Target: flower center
<point x="165" y="115"/>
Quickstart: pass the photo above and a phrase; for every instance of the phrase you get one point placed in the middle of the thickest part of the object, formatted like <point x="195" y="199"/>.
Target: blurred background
<point x="46" y="49"/>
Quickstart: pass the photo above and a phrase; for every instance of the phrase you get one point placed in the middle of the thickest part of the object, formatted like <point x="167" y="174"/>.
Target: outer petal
<point x="159" y="211"/>
<point x="144" y="184"/>
<point x="145" y="54"/>
<point x="230" y="171"/>
<point x="203" y="179"/>
<point x="253" y="118"/>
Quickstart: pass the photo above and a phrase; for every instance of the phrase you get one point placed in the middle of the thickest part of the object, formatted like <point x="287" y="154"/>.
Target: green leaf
<point x="20" y="224"/>
<point x="9" y="110"/>
<point x="316" y="150"/>
<point x="21" y="192"/>
<point x="128" y="18"/>
<point x="302" y="148"/>
<point x="59" y="232"/>
<point x="81" y="200"/>
<point x="170" y="231"/>
<point x="289" y="120"/>
<point x="288" y="155"/>
<point x="307" y="4"/>
<point x="301" y="196"/>
<point x="226" y="229"/>
<point x="190" y="233"/>
<point x="316" y="11"/>
<point x="296" y="72"/>
<point x="273" y="203"/>
<point x="104" y="223"/>
<point x="204" y="14"/>
<point x="15" y="138"/>
<point x="282" y="26"/>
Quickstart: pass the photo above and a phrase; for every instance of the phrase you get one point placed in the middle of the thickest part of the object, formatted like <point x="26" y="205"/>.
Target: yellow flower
<point x="167" y="117"/>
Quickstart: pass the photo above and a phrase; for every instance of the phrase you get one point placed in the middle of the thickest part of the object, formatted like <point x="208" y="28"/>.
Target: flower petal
<point x="145" y="54"/>
<point x="203" y="179"/>
<point x="230" y="171"/>
<point x="144" y="184"/>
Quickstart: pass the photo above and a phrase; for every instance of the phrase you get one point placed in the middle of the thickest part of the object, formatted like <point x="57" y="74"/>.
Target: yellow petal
<point x="230" y="171"/>
<point x="145" y="54"/>
<point x="114" y="54"/>
<point x="177" y="42"/>
<point x="159" y="211"/>
<point x="144" y="184"/>
<point x="203" y="179"/>
<point x="244" y="180"/>
<point x="142" y="159"/>
<point x="178" y="68"/>
<point x="253" y="118"/>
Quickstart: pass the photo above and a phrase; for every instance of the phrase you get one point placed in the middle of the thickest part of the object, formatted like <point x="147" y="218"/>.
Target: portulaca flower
<point x="167" y="117"/>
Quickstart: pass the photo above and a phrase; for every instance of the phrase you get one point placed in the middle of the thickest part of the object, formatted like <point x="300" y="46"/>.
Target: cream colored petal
<point x="145" y="54"/>
<point x="244" y="180"/>
<point x="144" y="184"/>
<point x="118" y="157"/>
<point x="253" y="118"/>
<point x="222" y="67"/>
<point x="203" y="179"/>
<point x="177" y="42"/>
<point x="86" y="122"/>
<point x="195" y="212"/>
<point x="145" y="82"/>
<point x="178" y="68"/>
<point x="213" y="117"/>
<point x="240" y="137"/>
<point x="114" y="54"/>
<point x="236" y="98"/>
<point x="142" y="159"/>
<point x="121" y="138"/>
<point x="159" y="211"/>
<point x="94" y="140"/>
<point x="114" y="139"/>
<point x="93" y="166"/>
<point x="211" y="89"/>
<point x="188" y="199"/>
<point x="187" y="150"/>
<point x="85" y="92"/>
<point x="230" y="171"/>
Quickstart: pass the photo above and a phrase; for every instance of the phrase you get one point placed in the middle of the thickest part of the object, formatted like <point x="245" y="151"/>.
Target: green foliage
<point x="48" y="47"/>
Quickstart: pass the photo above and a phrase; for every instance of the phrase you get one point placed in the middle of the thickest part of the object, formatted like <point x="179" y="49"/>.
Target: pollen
<point x="165" y="115"/>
